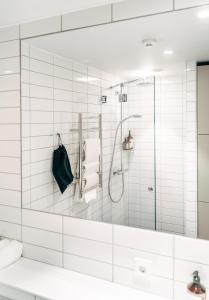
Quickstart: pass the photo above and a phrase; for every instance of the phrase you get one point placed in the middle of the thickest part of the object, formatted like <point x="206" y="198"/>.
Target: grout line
<point x="112" y="11"/>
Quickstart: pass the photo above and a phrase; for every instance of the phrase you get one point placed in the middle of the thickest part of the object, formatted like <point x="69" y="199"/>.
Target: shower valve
<point x="120" y="172"/>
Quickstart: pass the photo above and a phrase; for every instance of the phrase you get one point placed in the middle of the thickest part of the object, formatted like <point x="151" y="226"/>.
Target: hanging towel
<point x="91" y="150"/>
<point x="61" y="168"/>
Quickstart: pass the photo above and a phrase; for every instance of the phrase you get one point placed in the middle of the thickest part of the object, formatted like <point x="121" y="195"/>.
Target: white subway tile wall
<point x="55" y="90"/>
<point x="10" y="156"/>
<point x="188" y="254"/>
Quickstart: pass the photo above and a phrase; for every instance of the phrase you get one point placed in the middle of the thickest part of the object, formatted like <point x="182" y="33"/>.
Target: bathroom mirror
<point x="121" y="98"/>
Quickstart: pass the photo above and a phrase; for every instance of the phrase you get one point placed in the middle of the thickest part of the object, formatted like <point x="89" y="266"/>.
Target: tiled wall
<point x="10" y="150"/>
<point x="109" y="252"/>
<point x="169" y="120"/>
<point x="54" y="91"/>
<point x="179" y="255"/>
<point x="141" y="175"/>
<point x="190" y="151"/>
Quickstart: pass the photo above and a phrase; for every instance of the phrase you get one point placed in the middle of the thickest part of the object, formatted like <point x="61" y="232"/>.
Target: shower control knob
<point x="150" y="188"/>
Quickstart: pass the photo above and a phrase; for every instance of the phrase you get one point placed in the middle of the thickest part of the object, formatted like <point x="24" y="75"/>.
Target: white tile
<point x="42" y="238"/>
<point x="10" y="214"/>
<point x="25" y="48"/>
<point x="10" y="99"/>
<point x="11" y="65"/>
<point x="62" y="62"/>
<point x="63" y="72"/>
<point x="10" y="148"/>
<point x="144" y="240"/>
<point x="43" y="26"/>
<point x="10" y="165"/>
<point x="88" y="266"/>
<point x="9" y="82"/>
<point x="88" y="17"/>
<point x="41" y="54"/>
<point x="9" y="115"/>
<point x="10" y="181"/>
<point x="88" y="229"/>
<point x="42" y="220"/>
<point x="136" y="8"/>
<point x="189" y="3"/>
<point x="9" y="33"/>
<point x="9" y="49"/>
<point x="10" y="230"/>
<point x="41" y="79"/>
<point x="44" y="255"/>
<point x="195" y="250"/>
<point x="184" y="270"/>
<point x="161" y="265"/>
<point x="89" y="249"/>
<point x="10" y="198"/>
<point x="41" y="104"/>
<point x="62" y="95"/>
<point x="41" y="66"/>
<point x="151" y="284"/>
<point x="41" y="92"/>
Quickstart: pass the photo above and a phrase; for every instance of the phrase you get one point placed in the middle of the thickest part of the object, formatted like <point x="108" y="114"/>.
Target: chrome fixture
<point x="121" y="171"/>
<point x="195" y="288"/>
<point x="103" y="99"/>
<point x="123" y="97"/>
<point x="139" y="81"/>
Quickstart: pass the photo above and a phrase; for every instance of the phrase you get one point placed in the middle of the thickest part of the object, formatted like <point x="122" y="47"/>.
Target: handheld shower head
<point x="112" y="159"/>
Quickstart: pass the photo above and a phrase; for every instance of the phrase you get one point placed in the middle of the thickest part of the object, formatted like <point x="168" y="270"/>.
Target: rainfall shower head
<point x="137" y="116"/>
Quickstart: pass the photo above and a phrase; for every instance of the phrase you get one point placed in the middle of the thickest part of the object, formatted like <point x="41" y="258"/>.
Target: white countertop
<point x="55" y="283"/>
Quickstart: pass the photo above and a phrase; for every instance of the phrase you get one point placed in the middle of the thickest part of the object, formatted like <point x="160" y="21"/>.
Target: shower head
<point x="136" y="116"/>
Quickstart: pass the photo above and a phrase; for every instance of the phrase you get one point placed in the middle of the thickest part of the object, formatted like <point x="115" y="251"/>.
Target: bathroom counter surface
<point x="55" y="283"/>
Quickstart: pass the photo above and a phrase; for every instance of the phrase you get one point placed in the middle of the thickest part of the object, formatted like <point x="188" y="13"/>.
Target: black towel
<point x="61" y="168"/>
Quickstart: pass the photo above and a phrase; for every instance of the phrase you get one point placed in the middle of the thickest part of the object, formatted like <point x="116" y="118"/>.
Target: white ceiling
<point x="20" y="11"/>
<point x="117" y="48"/>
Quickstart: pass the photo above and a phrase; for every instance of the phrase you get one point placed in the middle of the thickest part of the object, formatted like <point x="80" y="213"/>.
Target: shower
<point x="122" y="171"/>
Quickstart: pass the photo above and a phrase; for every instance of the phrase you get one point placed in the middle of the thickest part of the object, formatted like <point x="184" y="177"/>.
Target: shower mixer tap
<point x="120" y="172"/>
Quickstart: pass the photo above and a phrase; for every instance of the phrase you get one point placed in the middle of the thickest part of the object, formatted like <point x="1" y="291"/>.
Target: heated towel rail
<point x="80" y="130"/>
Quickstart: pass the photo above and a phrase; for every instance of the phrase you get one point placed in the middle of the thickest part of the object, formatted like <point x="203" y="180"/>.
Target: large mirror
<point x="109" y="127"/>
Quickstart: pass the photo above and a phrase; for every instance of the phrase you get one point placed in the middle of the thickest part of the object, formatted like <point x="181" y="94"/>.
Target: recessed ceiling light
<point x="203" y="14"/>
<point x="168" y="52"/>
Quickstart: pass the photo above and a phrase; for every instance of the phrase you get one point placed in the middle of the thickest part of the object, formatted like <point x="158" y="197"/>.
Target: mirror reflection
<point x="109" y="127"/>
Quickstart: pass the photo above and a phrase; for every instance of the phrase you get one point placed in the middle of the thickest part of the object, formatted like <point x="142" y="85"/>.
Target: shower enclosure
<point x="132" y="179"/>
